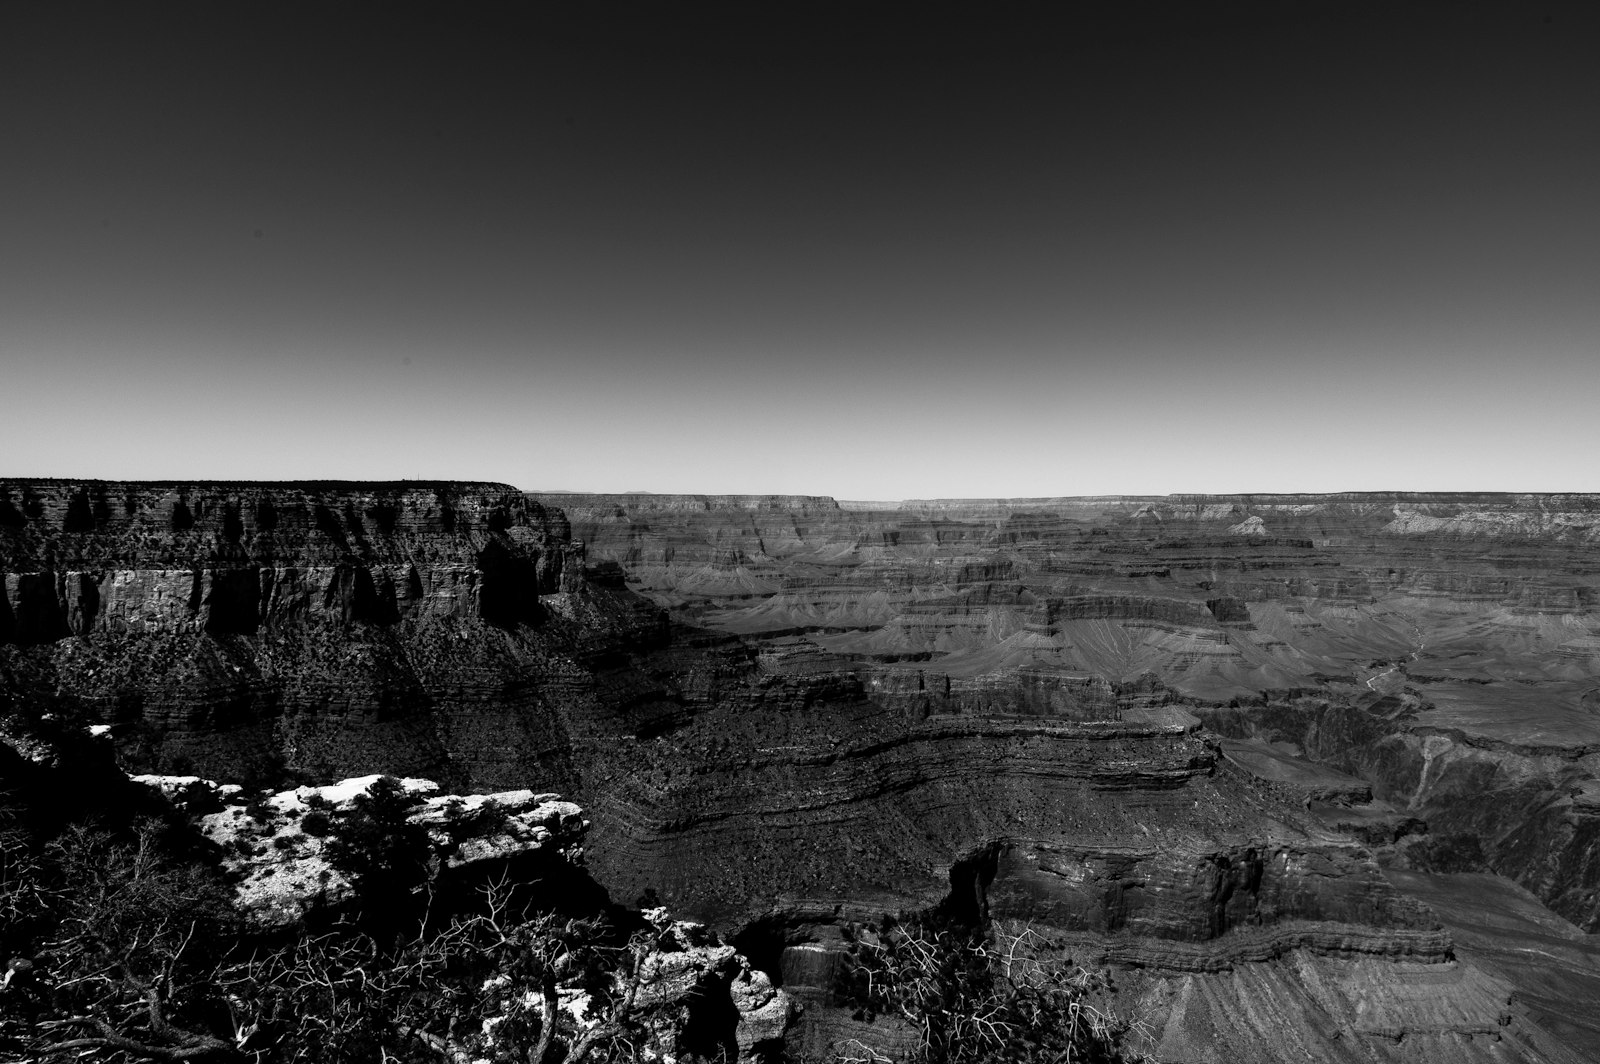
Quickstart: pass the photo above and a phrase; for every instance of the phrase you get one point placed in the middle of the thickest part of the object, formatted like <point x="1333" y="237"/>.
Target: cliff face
<point x="83" y="558"/>
<point x="1280" y="618"/>
<point x="314" y="630"/>
<point x="1418" y="670"/>
<point x="995" y="708"/>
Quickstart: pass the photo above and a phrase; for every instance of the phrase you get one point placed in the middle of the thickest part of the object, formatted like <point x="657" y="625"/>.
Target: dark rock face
<point x="233" y="557"/>
<point x="1417" y="670"/>
<point x="1477" y="611"/>
<point x="1008" y="709"/>
<point x="318" y="631"/>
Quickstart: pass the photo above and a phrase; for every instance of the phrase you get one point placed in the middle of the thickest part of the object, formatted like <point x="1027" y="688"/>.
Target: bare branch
<point x="547" y="1028"/>
<point x="190" y="1047"/>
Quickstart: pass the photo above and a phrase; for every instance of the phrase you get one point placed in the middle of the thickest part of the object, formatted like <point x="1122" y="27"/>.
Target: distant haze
<point x="1165" y="248"/>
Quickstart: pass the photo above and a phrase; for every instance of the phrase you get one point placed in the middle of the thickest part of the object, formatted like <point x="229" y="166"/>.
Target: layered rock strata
<point x="1476" y="610"/>
<point x="980" y="707"/>
<point x="314" y="631"/>
<point x="1415" y="669"/>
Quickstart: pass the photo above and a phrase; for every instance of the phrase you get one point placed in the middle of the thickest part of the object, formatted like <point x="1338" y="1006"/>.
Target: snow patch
<point x="284" y="872"/>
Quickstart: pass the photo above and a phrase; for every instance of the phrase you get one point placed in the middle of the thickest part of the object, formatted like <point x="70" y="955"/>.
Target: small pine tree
<point x="385" y="855"/>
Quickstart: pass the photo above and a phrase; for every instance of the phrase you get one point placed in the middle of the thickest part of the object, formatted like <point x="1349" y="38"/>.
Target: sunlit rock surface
<point x="1194" y="732"/>
<point x="280" y="861"/>
<point x="689" y="968"/>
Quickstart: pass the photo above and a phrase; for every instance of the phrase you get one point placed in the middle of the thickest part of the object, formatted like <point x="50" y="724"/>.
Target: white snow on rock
<point x="514" y="822"/>
<point x="285" y="872"/>
<point x="344" y="792"/>
<point x="173" y="788"/>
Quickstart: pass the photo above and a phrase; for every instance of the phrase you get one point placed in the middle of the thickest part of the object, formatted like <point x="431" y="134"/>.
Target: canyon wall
<point x="1444" y="648"/>
<point x="304" y="630"/>
<point x="1416" y="671"/>
<point x="783" y="715"/>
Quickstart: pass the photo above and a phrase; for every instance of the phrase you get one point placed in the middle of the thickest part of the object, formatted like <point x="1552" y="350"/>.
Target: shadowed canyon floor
<point x="1239" y="749"/>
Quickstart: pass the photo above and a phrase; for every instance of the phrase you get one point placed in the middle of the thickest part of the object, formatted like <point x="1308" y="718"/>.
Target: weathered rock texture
<point x="1002" y="708"/>
<point x="281" y="866"/>
<point x="1418" y="670"/>
<point x="1439" y="649"/>
<point x="318" y="631"/>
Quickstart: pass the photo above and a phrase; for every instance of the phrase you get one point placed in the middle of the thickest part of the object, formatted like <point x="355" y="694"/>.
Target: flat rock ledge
<point x="282" y="867"/>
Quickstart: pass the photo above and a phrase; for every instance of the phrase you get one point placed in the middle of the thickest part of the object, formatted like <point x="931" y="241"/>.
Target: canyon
<point x="1314" y="776"/>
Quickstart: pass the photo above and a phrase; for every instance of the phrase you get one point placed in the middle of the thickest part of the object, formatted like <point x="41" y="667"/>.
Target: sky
<point x="867" y="251"/>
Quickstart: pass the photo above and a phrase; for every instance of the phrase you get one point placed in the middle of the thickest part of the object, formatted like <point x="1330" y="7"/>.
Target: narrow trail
<point x="1374" y="679"/>
<point x="1413" y="656"/>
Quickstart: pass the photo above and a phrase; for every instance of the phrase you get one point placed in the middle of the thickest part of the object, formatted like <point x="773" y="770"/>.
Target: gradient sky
<point x="1163" y="248"/>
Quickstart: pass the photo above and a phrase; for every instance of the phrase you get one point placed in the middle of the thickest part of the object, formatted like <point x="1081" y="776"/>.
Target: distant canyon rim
<point x="1318" y="776"/>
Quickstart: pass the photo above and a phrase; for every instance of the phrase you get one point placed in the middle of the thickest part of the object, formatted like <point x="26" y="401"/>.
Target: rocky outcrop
<point x="88" y="557"/>
<point x="690" y="971"/>
<point x="283" y="631"/>
<point x="685" y="988"/>
<point x="994" y="707"/>
<point x="275" y="846"/>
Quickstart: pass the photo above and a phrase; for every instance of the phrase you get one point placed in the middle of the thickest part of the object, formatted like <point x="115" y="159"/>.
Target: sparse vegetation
<point x="485" y="820"/>
<point x="118" y="948"/>
<point x="979" y="996"/>
<point x="383" y="852"/>
<point x="125" y="946"/>
<point x="120" y="951"/>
